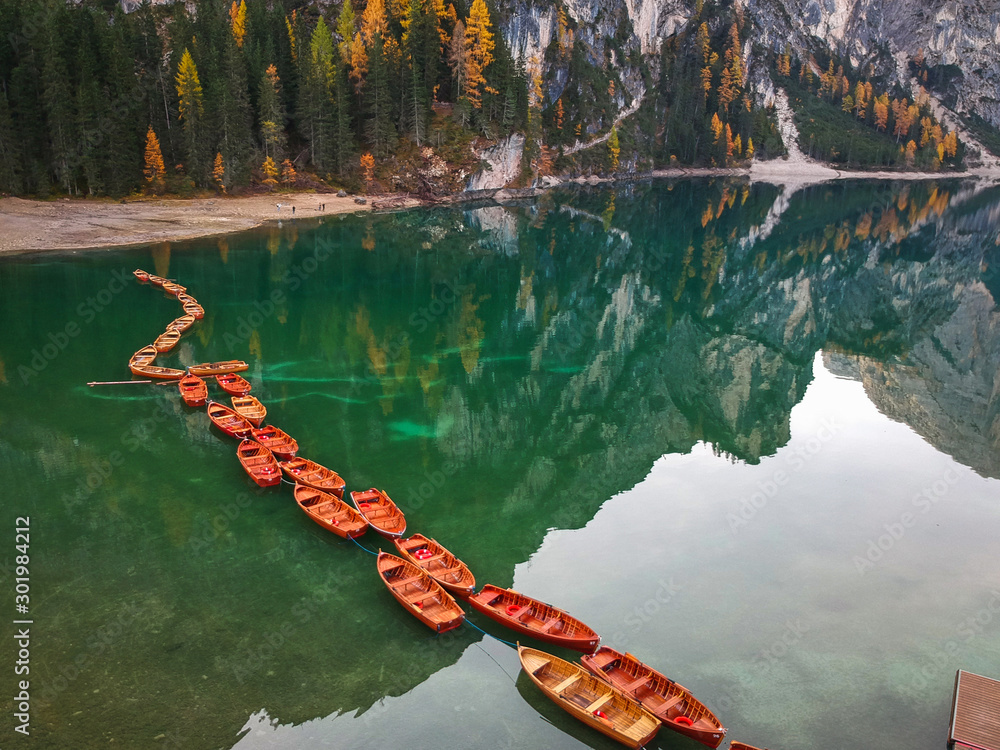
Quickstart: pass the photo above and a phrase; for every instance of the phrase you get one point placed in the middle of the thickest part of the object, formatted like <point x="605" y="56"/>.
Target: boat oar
<point x="117" y="382"/>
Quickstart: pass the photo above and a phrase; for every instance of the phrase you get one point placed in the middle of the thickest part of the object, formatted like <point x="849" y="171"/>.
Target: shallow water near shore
<point x="752" y="440"/>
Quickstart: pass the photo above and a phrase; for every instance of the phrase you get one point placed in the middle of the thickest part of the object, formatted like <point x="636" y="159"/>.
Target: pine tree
<point x="346" y="31"/>
<point x="10" y="155"/>
<point x="272" y="114"/>
<point x="191" y="106"/>
<point x="232" y="114"/>
<point x="58" y="103"/>
<point x="154" y="170"/>
<point x="317" y="96"/>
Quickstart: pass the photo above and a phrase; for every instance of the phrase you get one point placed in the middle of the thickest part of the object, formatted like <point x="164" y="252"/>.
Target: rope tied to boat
<point x="506" y="643"/>
<point x="370" y="552"/>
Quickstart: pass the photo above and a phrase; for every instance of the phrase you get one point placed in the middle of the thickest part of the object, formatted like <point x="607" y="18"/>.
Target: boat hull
<point x="667" y="700"/>
<point x="218" y="368"/>
<point x="259" y="463"/>
<point x="312" y="474"/>
<point x="280" y="443"/>
<point x="228" y="421"/>
<point x="250" y="409"/>
<point x="193" y="390"/>
<point x="583" y="696"/>
<point x="233" y="384"/>
<point x="330" y="512"/>
<point x="535" y="618"/>
<point x="419" y="594"/>
<point x="438" y="563"/>
<point x="381" y="513"/>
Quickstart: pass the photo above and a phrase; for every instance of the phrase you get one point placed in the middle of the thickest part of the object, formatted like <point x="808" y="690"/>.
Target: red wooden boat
<point x="171" y="288"/>
<point x="668" y="701"/>
<point x="143" y="276"/>
<point x="330" y="512"/>
<point x="217" y="368"/>
<point x="228" y="421"/>
<point x="277" y="441"/>
<point x="438" y="562"/>
<point x="183" y="296"/>
<point x="250" y="409"/>
<point x="167" y="340"/>
<point x="155" y="280"/>
<point x="233" y="384"/>
<point x="193" y="308"/>
<point x="420" y="595"/>
<point x="193" y="390"/>
<point x="312" y="474"/>
<point x="380" y="512"/>
<point x="734" y="745"/>
<point x="595" y="703"/>
<point x="144" y="356"/>
<point x="534" y="618"/>
<point x="259" y="463"/>
<point x="159" y="373"/>
<point x="181" y="324"/>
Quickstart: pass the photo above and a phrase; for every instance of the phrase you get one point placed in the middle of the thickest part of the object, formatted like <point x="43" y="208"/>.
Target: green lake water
<point x="753" y="440"/>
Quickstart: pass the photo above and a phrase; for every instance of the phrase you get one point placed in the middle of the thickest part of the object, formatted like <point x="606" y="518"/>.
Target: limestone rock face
<point x="882" y="33"/>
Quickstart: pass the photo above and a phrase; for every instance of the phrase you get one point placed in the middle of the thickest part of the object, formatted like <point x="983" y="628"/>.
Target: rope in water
<point x="506" y="643"/>
<point x="370" y="552"/>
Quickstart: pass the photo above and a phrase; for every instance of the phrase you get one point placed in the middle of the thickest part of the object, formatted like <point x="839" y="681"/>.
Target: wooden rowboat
<point x="734" y="745"/>
<point x="144" y="356"/>
<point x="193" y="308"/>
<point x="277" y="441"/>
<point x="588" y="699"/>
<point x="159" y="373"/>
<point x="181" y="324"/>
<point x="330" y="512"/>
<point x="311" y="474"/>
<point x="250" y="409"/>
<point x="171" y="288"/>
<point x="193" y="390"/>
<point x="380" y="512"/>
<point x="143" y="276"/>
<point x="155" y="280"/>
<point x="217" y="368"/>
<point x="228" y="421"/>
<point x="233" y="384"/>
<point x="438" y="562"/>
<point x="420" y="595"/>
<point x="668" y="701"/>
<point x="259" y="463"/>
<point x="167" y="340"/>
<point x="535" y="618"/>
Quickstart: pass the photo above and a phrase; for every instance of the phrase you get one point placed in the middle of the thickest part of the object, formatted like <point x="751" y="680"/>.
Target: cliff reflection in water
<point x="501" y="371"/>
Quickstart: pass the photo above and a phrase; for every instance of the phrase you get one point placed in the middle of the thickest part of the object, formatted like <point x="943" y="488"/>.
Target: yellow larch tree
<point x="270" y="171"/>
<point x="219" y="172"/>
<point x="154" y="170"/>
<point x="479" y="44"/>
<point x="238" y="19"/>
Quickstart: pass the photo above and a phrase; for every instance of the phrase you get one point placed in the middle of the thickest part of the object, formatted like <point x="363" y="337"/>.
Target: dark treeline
<point x="94" y="100"/>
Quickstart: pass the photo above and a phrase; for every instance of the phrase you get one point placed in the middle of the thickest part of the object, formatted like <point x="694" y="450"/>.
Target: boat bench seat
<point x="636" y="683"/>
<point x="670" y="703"/>
<point x="519" y="611"/>
<point x="432" y="558"/>
<point x="565" y="683"/>
<point x="407" y="581"/>
<point x="550" y="623"/>
<point x="599" y="702"/>
<point x="421" y="597"/>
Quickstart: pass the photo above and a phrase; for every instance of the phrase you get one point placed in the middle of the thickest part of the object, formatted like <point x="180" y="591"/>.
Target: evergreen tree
<point x="233" y="114"/>
<point x="272" y="115"/>
<point x="10" y="155"/>
<point x="58" y="106"/>
<point x="192" y="113"/>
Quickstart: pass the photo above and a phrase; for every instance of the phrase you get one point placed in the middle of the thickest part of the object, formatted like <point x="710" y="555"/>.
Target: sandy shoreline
<point x="32" y="225"/>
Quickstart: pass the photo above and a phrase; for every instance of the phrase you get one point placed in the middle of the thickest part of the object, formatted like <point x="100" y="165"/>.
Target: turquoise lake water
<point x="752" y="439"/>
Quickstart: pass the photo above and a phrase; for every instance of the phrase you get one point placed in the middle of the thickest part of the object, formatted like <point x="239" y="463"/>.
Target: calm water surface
<point x="751" y="439"/>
